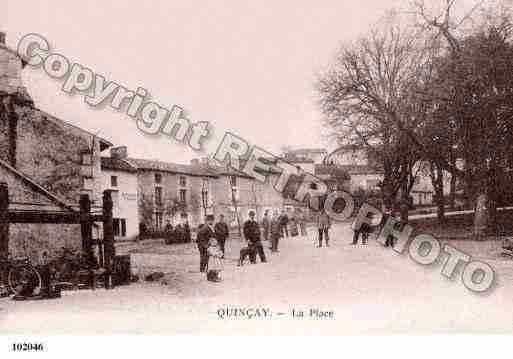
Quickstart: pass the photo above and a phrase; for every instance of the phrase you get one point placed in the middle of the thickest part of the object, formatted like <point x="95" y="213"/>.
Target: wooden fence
<point x="84" y="217"/>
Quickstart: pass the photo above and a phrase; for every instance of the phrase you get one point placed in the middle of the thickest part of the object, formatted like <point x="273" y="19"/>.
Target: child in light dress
<point x="215" y="261"/>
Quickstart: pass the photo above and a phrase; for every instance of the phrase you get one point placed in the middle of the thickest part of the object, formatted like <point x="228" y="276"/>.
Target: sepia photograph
<point x="260" y="169"/>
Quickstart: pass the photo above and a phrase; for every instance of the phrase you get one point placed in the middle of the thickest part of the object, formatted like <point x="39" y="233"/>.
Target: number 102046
<point x="27" y="347"/>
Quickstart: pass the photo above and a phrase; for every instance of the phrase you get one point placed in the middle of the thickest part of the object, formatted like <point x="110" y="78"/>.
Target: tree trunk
<point x="480" y="216"/>
<point x="437" y="180"/>
<point x="404" y="206"/>
<point x="387" y="188"/>
<point x="452" y="190"/>
<point x="439" y="189"/>
<point x="493" y="196"/>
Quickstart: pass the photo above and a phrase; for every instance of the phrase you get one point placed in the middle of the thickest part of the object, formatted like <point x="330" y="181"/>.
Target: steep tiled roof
<point x="224" y="171"/>
<point x="311" y="150"/>
<point x="154" y="165"/>
<point x="293" y="158"/>
<point x="104" y="144"/>
<point x="350" y="169"/>
<point x="109" y="163"/>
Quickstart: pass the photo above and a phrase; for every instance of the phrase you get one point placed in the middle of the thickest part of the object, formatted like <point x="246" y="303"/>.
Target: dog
<point x="245" y="252"/>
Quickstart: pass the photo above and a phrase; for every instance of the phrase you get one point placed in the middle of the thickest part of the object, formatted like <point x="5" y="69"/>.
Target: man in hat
<point x="222" y="232"/>
<point x="205" y="233"/>
<point x="323" y="226"/>
<point x="252" y="234"/>
<point x="266" y="225"/>
<point x="168" y="230"/>
<point x="284" y="221"/>
<point x="182" y="231"/>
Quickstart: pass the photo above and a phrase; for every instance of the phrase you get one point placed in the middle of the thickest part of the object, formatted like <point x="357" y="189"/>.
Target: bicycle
<point x="23" y="279"/>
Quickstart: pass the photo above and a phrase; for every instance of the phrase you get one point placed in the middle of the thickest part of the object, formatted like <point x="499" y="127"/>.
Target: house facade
<point x="120" y="177"/>
<point x="164" y="190"/>
<point x="235" y="194"/>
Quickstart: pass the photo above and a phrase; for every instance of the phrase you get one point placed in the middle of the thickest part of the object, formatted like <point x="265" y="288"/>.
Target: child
<point x="215" y="261"/>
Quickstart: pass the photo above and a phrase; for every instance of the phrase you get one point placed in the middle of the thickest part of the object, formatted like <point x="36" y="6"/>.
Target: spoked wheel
<point x="24" y="280"/>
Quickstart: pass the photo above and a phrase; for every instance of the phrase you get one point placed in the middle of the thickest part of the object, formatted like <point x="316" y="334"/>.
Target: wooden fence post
<point x="86" y="225"/>
<point x="4" y="231"/>
<point x="86" y="231"/>
<point x="108" y="238"/>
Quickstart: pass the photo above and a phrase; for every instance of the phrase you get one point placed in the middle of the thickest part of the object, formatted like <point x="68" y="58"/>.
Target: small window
<point x="113" y="181"/>
<point x="158" y="220"/>
<point x="87" y="159"/>
<point x="234" y="194"/>
<point x="158" y="178"/>
<point x="183" y="181"/>
<point x="233" y="181"/>
<point x="183" y="196"/>
<point x="123" y="227"/>
<point x="115" y="226"/>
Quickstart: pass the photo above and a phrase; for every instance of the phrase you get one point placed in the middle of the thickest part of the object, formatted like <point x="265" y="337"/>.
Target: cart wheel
<point x="24" y="280"/>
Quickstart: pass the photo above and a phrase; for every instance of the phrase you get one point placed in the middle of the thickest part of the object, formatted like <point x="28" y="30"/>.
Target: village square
<point x="96" y="238"/>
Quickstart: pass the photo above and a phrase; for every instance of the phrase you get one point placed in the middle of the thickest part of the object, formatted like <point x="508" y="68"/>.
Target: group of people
<point x="181" y="233"/>
<point x="211" y="239"/>
<point x="277" y="226"/>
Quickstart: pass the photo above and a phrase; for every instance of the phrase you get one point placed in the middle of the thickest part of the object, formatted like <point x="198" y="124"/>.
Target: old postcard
<point x="255" y="168"/>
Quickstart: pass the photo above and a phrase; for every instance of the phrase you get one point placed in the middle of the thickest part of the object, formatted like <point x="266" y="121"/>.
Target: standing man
<point x="252" y="234"/>
<point x="266" y="222"/>
<point x="364" y="231"/>
<point x="284" y="221"/>
<point x="323" y="225"/>
<point x="276" y="232"/>
<point x="183" y="230"/>
<point x="168" y="230"/>
<point x="302" y="222"/>
<point x="222" y="232"/>
<point x="205" y="233"/>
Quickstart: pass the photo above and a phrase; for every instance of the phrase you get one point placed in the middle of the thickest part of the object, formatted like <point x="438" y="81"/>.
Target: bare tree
<point x="367" y="98"/>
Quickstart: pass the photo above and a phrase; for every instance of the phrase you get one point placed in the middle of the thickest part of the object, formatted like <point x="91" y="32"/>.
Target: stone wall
<point x="33" y="239"/>
<point x="50" y="152"/>
<point x="10" y="70"/>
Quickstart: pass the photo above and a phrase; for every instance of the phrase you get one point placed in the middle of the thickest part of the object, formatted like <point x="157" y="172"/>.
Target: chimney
<point x="119" y="153"/>
<point x="2" y="37"/>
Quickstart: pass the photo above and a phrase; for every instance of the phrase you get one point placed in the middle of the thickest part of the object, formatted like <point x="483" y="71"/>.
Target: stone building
<point x="235" y="193"/>
<point x="60" y="158"/>
<point x="164" y="190"/>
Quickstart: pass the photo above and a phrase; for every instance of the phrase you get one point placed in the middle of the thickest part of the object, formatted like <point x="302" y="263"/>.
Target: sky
<point x="245" y="67"/>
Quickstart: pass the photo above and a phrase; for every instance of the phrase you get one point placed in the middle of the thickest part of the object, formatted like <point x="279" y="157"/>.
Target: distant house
<point x="306" y="164"/>
<point x="366" y="173"/>
<point x="317" y="155"/>
<point x="120" y="177"/>
<point x="335" y="177"/>
<point x="364" y="170"/>
<point x="235" y="191"/>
